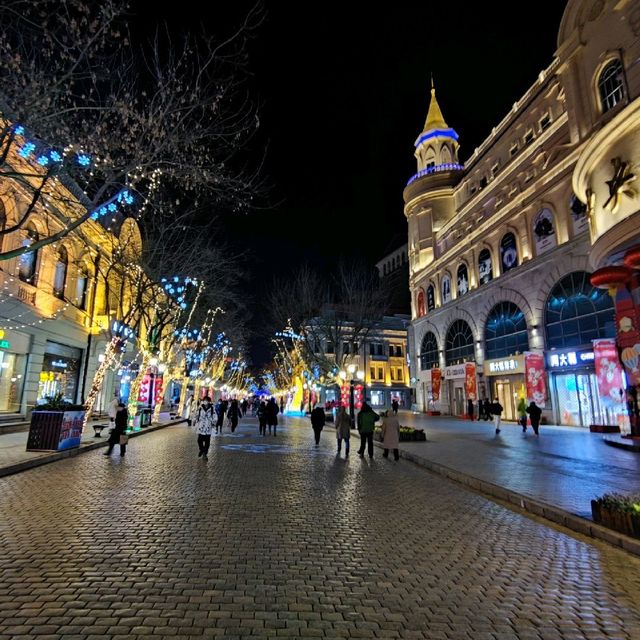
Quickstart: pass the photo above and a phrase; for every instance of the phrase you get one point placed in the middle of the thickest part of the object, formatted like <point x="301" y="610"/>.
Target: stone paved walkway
<point x="565" y="466"/>
<point x="273" y="537"/>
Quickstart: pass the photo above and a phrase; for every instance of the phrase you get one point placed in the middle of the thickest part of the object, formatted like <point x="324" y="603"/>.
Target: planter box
<point x="627" y="523"/>
<point x="604" y="428"/>
<point x="55" y="430"/>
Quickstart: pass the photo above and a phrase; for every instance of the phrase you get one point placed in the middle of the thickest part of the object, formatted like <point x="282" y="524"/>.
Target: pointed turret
<point x="435" y="119"/>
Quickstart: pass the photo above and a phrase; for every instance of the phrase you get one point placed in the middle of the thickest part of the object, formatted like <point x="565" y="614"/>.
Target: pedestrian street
<point x="273" y="537"/>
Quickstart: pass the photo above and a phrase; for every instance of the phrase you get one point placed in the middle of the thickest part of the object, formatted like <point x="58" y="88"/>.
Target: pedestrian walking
<point x="113" y="407"/>
<point x="366" y="426"/>
<point x="262" y="418"/>
<point x="272" y="415"/>
<point x="205" y="417"/>
<point x="522" y="414"/>
<point x="245" y="407"/>
<point x="486" y="412"/>
<point x="390" y="435"/>
<point x="220" y="410"/>
<point x="395" y="406"/>
<point x="118" y="434"/>
<point x="496" y="411"/>
<point x="534" y="412"/>
<point x="470" y="412"/>
<point x="343" y="429"/>
<point x="233" y="414"/>
<point x="480" y="409"/>
<point x="317" y="422"/>
<point x="282" y="405"/>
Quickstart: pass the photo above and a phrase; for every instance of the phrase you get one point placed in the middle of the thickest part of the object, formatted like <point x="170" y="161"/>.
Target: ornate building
<point x="502" y="248"/>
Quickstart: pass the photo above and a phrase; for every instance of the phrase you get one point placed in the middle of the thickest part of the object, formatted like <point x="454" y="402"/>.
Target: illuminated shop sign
<point x="568" y="359"/>
<point x="514" y="364"/>
<point x="5" y="344"/>
<point x="60" y="364"/>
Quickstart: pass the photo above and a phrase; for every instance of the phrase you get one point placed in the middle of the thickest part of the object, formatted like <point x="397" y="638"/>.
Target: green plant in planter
<point x="58" y="403"/>
<point x="618" y="511"/>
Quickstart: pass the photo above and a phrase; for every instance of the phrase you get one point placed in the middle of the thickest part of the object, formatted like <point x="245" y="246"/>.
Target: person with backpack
<point x="496" y="411"/>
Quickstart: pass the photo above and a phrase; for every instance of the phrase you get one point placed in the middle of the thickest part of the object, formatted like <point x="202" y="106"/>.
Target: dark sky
<point x="344" y="90"/>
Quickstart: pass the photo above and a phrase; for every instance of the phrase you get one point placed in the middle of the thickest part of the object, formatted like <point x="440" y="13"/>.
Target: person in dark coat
<point x="395" y="406"/>
<point x="487" y="410"/>
<point x="262" y="418"/>
<point x="272" y="415"/>
<point x="534" y="412"/>
<point x="233" y="414"/>
<point x="120" y="429"/>
<point x="480" y="409"/>
<point x="220" y="411"/>
<point x="470" y="412"/>
<point x="245" y="407"/>
<point x="317" y="422"/>
<point x="496" y="411"/>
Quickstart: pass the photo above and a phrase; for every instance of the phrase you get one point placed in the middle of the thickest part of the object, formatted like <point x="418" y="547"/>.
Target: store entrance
<point x="506" y="397"/>
<point x="458" y="401"/>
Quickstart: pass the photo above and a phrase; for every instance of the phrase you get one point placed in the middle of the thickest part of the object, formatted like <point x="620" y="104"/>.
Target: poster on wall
<point x="421" y="308"/>
<point x="436" y="377"/>
<point x="446" y="289"/>
<point x="608" y="372"/>
<point x="508" y="252"/>
<point x="431" y="298"/>
<point x="71" y="430"/>
<point x="544" y="232"/>
<point x="485" y="268"/>
<point x="470" y="381"/>
<point x="463" y="280"/>
<point x="535" y="378"/>
<point x="578" y="215"/>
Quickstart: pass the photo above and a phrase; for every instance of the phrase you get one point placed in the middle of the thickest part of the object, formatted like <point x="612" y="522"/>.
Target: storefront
<point x="14" y="348"/>
<point x="60" y="372"/>
<point x="574" y="388"/>
<point x="505" y="378"/>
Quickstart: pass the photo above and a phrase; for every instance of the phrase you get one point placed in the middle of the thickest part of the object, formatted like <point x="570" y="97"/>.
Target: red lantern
<point x="632" y="257"/>
<point x="610" y="277"/>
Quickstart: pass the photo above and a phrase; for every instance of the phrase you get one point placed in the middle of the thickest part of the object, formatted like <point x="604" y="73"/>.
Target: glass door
<point x="505" y="398"/>
<point x="459" y="401"/>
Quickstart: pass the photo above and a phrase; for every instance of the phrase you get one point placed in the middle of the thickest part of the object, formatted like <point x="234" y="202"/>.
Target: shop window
<point x="576" y="312"/>
<point x="506" y="332"/>
<point x="60" y="274"/>
<point x="60" y="371"/>
<point x="429" y="352"/>
<point x="459" y="343"/>
<point x="611" y="85"/>
<point x="28" y="261"/>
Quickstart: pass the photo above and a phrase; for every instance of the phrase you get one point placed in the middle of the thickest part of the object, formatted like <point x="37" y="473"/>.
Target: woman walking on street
<point x="366" y="425"/>
<point x="119" y="432"/>
<point x="343" y="429"/>
<point x="317" y="422"/>
<point x="390" y="435"/>
<point x="205" y="418"/>
<point x="233" y="413"/>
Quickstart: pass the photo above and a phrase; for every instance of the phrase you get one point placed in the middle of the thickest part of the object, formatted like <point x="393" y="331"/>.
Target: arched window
<point x="421" y="307"/>
<point x="28" y="261"/>
<point x="458" y="343"/>
<point x="82" y="284"/>
<point x="577" y="312"/>
<point x="485" y="266"/>
<point x="431" y="298"/>
<point x="506" y="331"/>
<point x="429" y="352"/>
<point x="463" y="280"/>
<point x="60" y="274"/>
<point x="508" y="252"/>
<point x="611" y="85"/>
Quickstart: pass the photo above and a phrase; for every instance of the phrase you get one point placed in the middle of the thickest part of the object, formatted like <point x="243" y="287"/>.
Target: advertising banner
<point x="608" y="372"/>
<point x="71" y="430"/>
<point x="436" y="378"/>
<point x="535" y="377"/>
<point x="470" y="380"/>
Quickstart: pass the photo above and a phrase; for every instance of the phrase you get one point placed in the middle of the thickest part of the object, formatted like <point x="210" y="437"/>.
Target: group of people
<point x="488" y="410"/>
<point x="366" y="421"/>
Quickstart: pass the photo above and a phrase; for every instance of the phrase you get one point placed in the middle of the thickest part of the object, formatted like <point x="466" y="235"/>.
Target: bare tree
<point x="92" y="123"/>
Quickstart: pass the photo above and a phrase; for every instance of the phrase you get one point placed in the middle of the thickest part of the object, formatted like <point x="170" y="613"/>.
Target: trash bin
<point x="145" y="416"/>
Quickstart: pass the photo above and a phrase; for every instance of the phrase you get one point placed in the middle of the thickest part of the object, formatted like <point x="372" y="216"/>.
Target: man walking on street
<point x="317" y="422"/>
<point x="366" y="425"/>
<point x="496" y="410"/>
<point x="534" y="412"/>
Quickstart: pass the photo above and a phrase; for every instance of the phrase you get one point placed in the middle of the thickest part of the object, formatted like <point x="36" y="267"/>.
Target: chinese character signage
<point x="608" y="372"/>
<point x="534" y="375"/>
<point x="569" y="359"/>
<point x="470" y="380"/>
<point x="436" y="378"/>
<point x="504" y="366"/>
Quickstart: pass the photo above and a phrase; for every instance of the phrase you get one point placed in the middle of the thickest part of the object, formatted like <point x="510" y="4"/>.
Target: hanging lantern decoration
<point x="608" y="277"/>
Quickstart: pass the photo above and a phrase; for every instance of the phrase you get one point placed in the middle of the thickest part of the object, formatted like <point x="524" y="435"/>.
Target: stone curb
<point x="61" y="455"/>
<point x="531" y="505"/>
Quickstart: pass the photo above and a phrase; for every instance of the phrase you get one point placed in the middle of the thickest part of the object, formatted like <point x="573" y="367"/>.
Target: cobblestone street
<point x="273" y="537"/>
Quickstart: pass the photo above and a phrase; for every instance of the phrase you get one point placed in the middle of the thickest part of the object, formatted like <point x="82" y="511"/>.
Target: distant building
<point x="394" y="274"/>
<point x="502" y="248"/>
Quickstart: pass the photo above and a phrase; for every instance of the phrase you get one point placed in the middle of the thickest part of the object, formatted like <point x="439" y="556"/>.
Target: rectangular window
<point x="495" y="169"/>
<point x="372" y="349"/>
<point x="391" y="348"/>
<point x="380" y="373"/>
<point x="483" y="182"/>
<point x="345" y="348"/>
<point x="528" y="138"/>
<point x="514" y="149"/>
<point x="392" y="371"/>
<point x="329" y="347"/>
<point x="545" y="121"/>
<point x="400" y="374"/>
<point x="399" y="351"/>
<point x="372" y="373"/>
<point x="356" y="347"/>
<point x="380" y="348"/>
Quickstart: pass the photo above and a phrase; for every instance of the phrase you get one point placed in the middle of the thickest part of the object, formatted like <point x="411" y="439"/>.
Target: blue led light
<point x="55" y="156"/>
<point x="83" y="159"/>
<point x="436" y="133"/>
<point x="27" y="149"/>
<point x="42" y="160"/>
<point x="448" y="166"/>
<point x="19" y="130"/>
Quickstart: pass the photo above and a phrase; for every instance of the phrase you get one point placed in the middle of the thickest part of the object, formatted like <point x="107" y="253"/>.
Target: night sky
<point x="344" y="92"/>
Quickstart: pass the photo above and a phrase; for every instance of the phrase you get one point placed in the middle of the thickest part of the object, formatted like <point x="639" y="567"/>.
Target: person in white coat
<point x="205" y="419"/>
<point x="390" y="435"/>
<point x="113" y="407"/>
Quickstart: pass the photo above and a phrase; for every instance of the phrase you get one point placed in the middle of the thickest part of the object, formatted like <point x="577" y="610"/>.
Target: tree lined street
<point x="272" y="537"/>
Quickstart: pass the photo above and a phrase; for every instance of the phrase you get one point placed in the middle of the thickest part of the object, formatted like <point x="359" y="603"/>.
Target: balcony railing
<point x="439" y="168"/>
